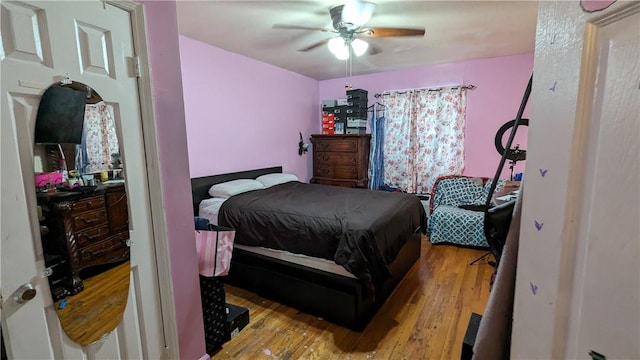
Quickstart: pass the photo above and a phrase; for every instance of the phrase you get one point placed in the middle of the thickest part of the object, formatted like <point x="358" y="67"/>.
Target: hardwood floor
<point x="425" y="318"/>
<point x="98" y="309"/>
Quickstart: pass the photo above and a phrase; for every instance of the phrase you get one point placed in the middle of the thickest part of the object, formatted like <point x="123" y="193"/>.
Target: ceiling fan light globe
<point x="359" y="46"/>
<point x="339" y="48"/>
<point x="336" y="44"/>
<point x="342" y="55"/>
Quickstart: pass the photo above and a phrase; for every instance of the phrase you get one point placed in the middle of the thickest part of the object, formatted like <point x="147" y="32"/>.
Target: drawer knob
<point x="91" y="237"/>
<point x="89" y="221"/>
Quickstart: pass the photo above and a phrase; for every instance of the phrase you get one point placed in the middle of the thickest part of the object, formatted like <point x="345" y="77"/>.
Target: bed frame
<point x="343" y="300"/>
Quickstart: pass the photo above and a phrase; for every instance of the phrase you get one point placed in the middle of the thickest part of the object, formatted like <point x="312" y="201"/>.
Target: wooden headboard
<point x="200" y="186"/>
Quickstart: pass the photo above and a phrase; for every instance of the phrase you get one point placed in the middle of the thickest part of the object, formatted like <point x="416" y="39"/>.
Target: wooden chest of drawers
<point x="86" y="229"/>
<point x="341" y="160"/>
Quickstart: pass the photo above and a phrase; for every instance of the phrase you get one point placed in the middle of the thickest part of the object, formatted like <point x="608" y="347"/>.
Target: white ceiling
<point x="455" y="31"/>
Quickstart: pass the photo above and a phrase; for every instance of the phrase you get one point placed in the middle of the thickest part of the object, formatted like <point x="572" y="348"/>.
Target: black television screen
<point x="60" y="116"/>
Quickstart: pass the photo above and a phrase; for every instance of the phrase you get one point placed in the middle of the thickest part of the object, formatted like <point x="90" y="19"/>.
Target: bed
<point x="345" y="282"/>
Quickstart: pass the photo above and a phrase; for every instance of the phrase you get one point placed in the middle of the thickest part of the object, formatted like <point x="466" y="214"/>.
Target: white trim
<point x="145" y="93"/>
<point x="573" y="200"/>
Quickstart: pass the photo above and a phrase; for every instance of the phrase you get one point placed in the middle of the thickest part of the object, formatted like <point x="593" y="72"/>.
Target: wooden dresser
<point x="341" y="160"/>
<point x="85" y="229"/>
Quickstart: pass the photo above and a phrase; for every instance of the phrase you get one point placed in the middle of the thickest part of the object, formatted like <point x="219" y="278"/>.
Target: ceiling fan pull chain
<point x="351" y="66"/>
<point x="346" y="74"/>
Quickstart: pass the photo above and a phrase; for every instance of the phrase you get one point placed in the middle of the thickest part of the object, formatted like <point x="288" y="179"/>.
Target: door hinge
<point x="137" y="70"/>
<point x="47" y="271"/>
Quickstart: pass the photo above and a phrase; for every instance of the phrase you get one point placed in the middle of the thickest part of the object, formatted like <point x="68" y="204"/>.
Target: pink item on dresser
<point x="48" y="178"/>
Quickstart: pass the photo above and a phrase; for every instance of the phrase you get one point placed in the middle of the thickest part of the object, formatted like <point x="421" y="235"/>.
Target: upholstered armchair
<point x="457" y="210"/>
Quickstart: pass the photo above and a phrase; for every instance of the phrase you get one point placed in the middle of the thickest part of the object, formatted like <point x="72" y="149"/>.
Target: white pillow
<point x="269" y="180"/>
<point x="234" y="187"/>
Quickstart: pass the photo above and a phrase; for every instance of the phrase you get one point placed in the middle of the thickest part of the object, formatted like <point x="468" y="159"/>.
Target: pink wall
<point x="162" y="33"/>
<point x="500" y="86"/>
<point x="243" y="114"/>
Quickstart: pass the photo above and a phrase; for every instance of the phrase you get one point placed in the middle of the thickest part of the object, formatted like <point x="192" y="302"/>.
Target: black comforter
<point x="359" y="229"/>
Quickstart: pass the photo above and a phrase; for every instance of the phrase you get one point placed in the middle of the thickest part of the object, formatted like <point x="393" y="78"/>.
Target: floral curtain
<point x="100" y="139"/>
<point x="424" y="137"/>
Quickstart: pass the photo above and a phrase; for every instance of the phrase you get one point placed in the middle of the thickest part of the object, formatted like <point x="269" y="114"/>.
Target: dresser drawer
<point x="92" y="234"/>
<point x="331" y="158"/>
<point x="90" y="203"/>
<point x="89" y="218"/>
<point x="336" y="172"/>
<point x="339" y="144"/>
<point x="109" y="250"/>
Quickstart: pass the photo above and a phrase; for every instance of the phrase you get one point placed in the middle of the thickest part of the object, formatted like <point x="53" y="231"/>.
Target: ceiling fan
<point x="349" y="22"/>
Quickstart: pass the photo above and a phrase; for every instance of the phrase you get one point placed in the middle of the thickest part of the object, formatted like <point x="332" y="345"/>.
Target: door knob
<point x="24" y="293"/>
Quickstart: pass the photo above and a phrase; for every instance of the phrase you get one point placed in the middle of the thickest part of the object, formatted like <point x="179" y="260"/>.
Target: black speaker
<point x="470" y="336"/>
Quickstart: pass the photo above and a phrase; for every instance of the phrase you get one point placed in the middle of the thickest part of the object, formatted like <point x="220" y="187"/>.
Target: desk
<point x="509" y="191"/>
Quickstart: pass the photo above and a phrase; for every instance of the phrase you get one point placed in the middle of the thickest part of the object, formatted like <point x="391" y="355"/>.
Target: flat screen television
<point x="60" y="117"/>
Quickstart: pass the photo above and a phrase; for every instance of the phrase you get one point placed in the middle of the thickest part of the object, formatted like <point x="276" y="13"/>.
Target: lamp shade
<point x="338" y="47"/>
<point x="359" y="46"/>
<point x="60" y="116"/>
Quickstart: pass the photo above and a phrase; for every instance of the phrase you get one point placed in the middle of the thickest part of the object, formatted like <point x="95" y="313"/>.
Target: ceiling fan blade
<point x="373" y="49"/>
<point x="386" y="32"/>
<point x="357" y="12"/>
<point x="297" y="27"/>
<point x="315" y="45"/>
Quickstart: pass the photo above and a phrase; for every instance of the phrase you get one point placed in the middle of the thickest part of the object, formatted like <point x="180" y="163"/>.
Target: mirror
<point x="83" y="210"/>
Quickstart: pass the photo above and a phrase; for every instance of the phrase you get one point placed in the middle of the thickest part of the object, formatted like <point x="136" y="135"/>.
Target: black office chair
<point x="496" y="227"/>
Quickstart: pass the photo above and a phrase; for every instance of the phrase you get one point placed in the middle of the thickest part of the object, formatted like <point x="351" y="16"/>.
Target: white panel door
<point x="92" y="42"/>
<point x="578" y="277"/>
<point x="605" y="309"/>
